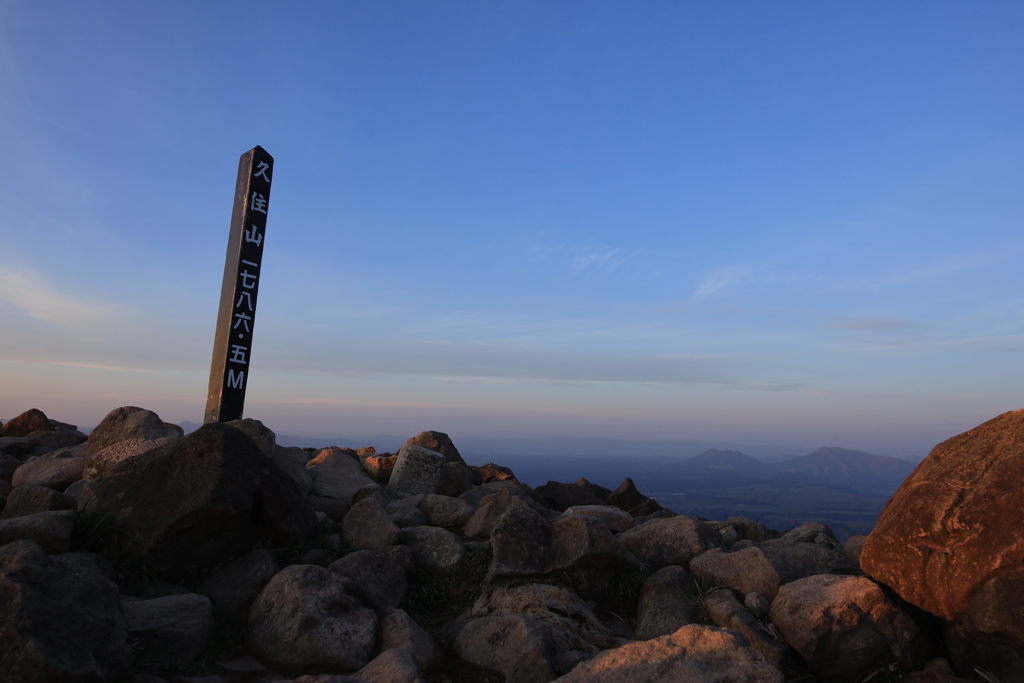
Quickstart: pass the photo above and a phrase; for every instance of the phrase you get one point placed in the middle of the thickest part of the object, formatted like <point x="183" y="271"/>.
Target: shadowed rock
<point x="439" y="442"/>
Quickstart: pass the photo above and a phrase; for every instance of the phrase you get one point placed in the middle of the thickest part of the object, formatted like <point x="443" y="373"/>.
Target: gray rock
<point x="8" y="464"/>
<point x="671" y="541"/>
<point x="455" y="480"/>
<point x="171" y="629"/>
<point x="337" y="475"/>
<point x="695" y="654"/>
<point x="367" y="525"/>
<point x="53" y="531"/>
<point x="434" y="549"/>
<point x="798" y="560"/>
<point x="845" y="627"/>
<point x="28" y="500"/>
<point x="480" y="525"/>
<point x="265" y="439"/>
<point x="665" y="604"/>
<point x="130" y="422"/>
<point x="403" y="514"/>
<point x="616" y="519"/>
<point x="852" y="548"/>
<point x="74" y="492"/>
<point x="445" y="510"/>
<point x="331" y="508"/>
<point x="15" y="446"/>
<point x="745" y="570"/>
<point x="512" y="644"/>
<point x="101" y="464"/>
<point x="374" y="577"/>
<point x="813" y="532"/>
<point x="233" y="587"/>
<point x="392" y="666"/>
<point x="725" y="611"/>
<point x="200" y="501"/>
<point x="305" y="618"/>
<point x="417" y="470"/>
<point x="399" y="631"/>
<point x="292" y="461"/>
<point x="60" y="620"/>
<point x="525" y="544"/>
<point x="53" y="439"/>
<point x="57" y="470"/>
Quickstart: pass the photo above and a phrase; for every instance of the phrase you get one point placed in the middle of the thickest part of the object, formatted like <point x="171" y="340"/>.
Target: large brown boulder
<point x="60" y="619"/>
<point x="671" y="541"/>
<point x="949" y="541"/>
<point x="845" y="627"/>
<point x="200" y="501"/>
<point x="32" y="420"/>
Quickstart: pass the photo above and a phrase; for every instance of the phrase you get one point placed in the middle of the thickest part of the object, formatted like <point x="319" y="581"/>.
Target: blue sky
<point x="794" y="223"/>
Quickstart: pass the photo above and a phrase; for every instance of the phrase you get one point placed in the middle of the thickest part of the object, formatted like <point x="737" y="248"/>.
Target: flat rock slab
<point x="694" y="654"/>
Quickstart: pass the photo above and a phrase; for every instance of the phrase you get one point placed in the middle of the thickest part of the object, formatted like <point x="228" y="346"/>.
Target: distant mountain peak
<point x="724" y="460"/>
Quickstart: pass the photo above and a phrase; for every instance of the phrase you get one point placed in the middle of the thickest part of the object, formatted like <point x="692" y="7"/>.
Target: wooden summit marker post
<point x="237" y="316"/>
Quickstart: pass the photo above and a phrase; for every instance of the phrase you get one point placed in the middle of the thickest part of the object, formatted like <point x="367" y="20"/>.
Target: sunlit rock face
<point x="950" y="542"/>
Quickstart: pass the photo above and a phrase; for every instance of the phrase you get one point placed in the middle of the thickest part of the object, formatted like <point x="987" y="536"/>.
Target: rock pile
<point x="139" y="554"/>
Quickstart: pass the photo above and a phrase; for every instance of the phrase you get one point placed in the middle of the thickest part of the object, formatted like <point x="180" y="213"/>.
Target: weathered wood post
<point x="232" y="345"/>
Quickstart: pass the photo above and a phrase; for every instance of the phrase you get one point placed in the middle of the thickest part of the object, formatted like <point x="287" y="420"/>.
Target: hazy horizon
<point x="769" y="224"/>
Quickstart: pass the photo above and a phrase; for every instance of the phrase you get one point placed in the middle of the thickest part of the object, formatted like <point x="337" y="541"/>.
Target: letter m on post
<point x="236" y="380"/>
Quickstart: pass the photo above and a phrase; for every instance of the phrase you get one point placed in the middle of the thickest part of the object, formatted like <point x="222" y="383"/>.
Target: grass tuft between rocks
<point x="435" y="599"/>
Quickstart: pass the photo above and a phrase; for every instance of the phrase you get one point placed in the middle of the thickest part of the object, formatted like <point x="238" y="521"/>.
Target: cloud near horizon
<point x="37" y="297"/>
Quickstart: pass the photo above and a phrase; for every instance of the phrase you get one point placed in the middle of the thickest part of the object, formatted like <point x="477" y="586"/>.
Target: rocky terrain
<point x="142" y="555"/>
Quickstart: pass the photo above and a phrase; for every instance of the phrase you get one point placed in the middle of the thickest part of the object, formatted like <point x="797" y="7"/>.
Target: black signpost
<point x="232" y="344"/>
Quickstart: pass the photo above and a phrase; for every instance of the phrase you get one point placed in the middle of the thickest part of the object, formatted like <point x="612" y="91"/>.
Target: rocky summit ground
<point x="142" y="555"/>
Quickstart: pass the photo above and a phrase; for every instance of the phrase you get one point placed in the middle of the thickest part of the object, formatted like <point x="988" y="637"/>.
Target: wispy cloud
<point x="879" y="324"/>
<point x="593" y="258"/>
<point x="36" y="296"/>
<point x="719" y="279"/>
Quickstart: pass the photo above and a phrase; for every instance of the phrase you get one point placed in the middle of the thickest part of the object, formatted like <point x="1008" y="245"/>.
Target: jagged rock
<point x="367" y="525"/>
<point x="665" y="604"/>
<point x="403" y="514"/>
<point x="399" y="631"/>
<point x="568" y="622"/>
<point x="50" y="530"/>
<point x="491" y="472"/>
<point x="797" y="560"/>
<point x="626" y="497"/>
<point x="292" y="461"/>
<point x="233" y="587"/>
<point x="379" y="467"/>
<point x="672" y="541"/>
<point x="201" y="501"/>
<point x="337" y="475"/>
<point x="439" y="442"/>
<point x="813" y="532"/>
<point x="434" y="549"/>
<point x="455" y="480"/>
<point x="525" y="544"/>
<point x="445" y="510"/>
<point x="392" y="666"/>
<point x="512" y="644"/>
<point x="852" y="549"/>
<point x="264" y="439"/>
<point x="374" y="577"/>
<point x="743" y="570"/>
<point x="175" y="628"/>
<point x="59" y="619"/>
<point x="561" y="496"/>
<point x="616" y="519"/>
<point x="695" y="654"/>
<point x="649" y="509"/>
<point x="725" y="611"/>
<point x="28" y="500"/>
<point x="845" y="627"/>
<point x="32" y="420"/>
<point x="305" y="618"/>
<point x="130" y="422"/>
<point x="53" y="440"/>
<point x="417" y="470"/>
<point x="950" y="530"/>
<point x="57" y="470"/>
<point x="101" y="464"/>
